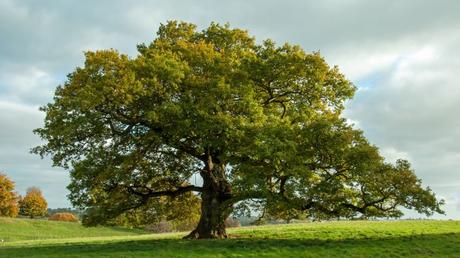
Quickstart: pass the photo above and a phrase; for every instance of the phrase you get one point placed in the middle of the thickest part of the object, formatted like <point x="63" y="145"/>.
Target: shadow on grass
<point x="438" y="245"/>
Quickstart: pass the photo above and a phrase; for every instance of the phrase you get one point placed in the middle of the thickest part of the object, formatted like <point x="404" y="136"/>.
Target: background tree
<point x="33" y="204"/>
<point x="255" y="121"/>
<point x="8" y="197"/>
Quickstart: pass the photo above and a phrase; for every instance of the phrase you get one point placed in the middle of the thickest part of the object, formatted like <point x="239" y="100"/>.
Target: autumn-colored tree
<point x="64" y="216"/>
<point x="254" y="119"/>
<point x="33" y="204"/>
<point x="8" y="197"/>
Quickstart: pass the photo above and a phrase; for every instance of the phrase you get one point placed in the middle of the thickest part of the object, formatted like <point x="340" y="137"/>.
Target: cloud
<point x="25" y="169"/>
<point x="391" y="154"/>
<point x="416" y="98"/>
<point x="410" y="111"/>
<point x="457" y="201"/>
<point x="29" y="85"/>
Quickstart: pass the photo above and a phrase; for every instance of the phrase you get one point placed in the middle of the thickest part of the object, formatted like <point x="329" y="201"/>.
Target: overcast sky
<point x="404" y="57"/>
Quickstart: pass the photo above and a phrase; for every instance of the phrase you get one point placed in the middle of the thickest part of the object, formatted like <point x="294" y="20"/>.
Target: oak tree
<point x="8" y="197"/>
<point x="33" y="204"/>
<point x="256" y="120"/>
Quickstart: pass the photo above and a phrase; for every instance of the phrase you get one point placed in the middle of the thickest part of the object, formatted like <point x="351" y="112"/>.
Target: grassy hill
<point x="323" y="239"/>
<point x="12" y="230"/>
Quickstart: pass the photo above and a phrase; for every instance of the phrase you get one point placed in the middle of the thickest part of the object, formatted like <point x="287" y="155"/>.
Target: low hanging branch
<point x="147" y="192"/>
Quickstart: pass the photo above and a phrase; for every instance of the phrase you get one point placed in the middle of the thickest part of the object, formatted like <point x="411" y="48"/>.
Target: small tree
<point x="8" y="197"/>
<point x="33" y="204"/>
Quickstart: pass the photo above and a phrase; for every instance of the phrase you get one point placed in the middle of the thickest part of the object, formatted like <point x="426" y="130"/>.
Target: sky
<point x="403" y="56"/>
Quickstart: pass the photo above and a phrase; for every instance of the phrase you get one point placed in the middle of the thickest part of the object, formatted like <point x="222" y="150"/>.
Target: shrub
<point x="64" y="216"/>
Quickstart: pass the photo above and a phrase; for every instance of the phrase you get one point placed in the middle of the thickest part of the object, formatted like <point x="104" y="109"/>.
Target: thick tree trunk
<point x="212" y="220"/>
<point x="214" y="208"/>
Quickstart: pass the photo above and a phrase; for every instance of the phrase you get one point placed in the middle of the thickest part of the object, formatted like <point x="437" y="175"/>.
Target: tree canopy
<point x="257" y="121"/>
<point x="33" y="204"/>
<point x="8" y="197"/>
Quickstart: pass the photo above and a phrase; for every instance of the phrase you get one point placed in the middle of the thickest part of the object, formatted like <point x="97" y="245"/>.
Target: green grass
<point x="326" y="239"/>
<point x="12" y="230"/>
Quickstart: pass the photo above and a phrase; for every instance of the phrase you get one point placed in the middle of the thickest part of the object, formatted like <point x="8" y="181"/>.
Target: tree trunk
<point x="214" y="208"/>
<point x="212" y="220"/>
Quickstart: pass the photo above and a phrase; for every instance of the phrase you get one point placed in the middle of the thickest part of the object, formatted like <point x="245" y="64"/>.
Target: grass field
<point x="26" y="238"/>
<point x="12" y="230"/>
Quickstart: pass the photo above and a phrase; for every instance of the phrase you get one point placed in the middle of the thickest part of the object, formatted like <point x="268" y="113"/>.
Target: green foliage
<point x="262" y="121"/>
<point x="278" y="211"/>
<point x="8" y="197"/>
<point x="181" y="214"/>
<point x="325" y="239"/>
<point x="33" y="204"/>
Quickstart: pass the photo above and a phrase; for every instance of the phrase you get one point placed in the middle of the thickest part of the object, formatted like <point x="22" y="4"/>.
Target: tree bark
<point x="214" y="208"/>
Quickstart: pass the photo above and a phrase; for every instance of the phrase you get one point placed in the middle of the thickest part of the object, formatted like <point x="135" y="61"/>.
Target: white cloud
<point x="410" y="111"/>
<point x="13" y="10"/>
<point x="360" y="63"/>
<point x="25" y="169"/>
<point x="457" y="201"/>
<point x="391" y="154"/>
<point x="29" y="85"/>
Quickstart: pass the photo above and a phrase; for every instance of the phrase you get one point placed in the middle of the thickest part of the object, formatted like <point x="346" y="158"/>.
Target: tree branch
<point x="171" y="193"/>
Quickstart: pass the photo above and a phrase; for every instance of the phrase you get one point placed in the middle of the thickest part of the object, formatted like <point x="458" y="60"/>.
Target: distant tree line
<point x="161" y="215"/>
<point x="76" y="212"/>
